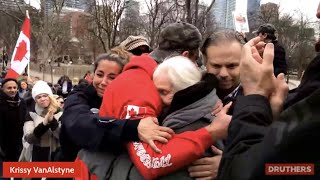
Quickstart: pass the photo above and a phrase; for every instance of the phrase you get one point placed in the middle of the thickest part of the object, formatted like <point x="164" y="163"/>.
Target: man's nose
<point x="223" y="72"/>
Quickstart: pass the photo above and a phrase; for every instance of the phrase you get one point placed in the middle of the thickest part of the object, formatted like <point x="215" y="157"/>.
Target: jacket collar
<point x="13" y="102"/>
<point x="193" y="93"/>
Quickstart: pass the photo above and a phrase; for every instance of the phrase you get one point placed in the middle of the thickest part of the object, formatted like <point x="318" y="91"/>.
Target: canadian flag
<point x="134" y="112"/>
<point x="21" y="54"/>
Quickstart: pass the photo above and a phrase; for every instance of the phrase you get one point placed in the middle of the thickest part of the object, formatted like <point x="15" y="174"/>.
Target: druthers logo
<point x="151" y="163"/>
<point x="133" y="112"/>
<point x="289" y="169"/>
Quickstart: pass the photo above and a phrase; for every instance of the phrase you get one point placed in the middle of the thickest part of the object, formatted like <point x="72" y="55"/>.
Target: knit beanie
<point x="132" y="42"/>
<point x="7" y="80"/>
<point x="41" y="87"/>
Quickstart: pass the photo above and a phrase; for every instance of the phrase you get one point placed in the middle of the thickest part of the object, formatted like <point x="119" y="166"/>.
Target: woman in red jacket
<point x="120" y="101"/>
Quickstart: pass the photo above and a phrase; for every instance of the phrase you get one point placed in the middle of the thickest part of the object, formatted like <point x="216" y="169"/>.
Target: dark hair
<point x="7" y="80"/>
<point x="19" y="84"/>
<point x="270" y="36"/>
<point x="138" y="51"/>
<point x="3" y="74"/>
<point x="219" y="37"/>
<point x="193" y="52"/>
<point x="110" y="57"/>
<point x="317" y="46"/>
<point x="83" y="81"/>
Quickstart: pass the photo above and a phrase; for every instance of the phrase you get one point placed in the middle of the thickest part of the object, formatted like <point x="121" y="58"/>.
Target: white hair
<point x="181" y="72"/>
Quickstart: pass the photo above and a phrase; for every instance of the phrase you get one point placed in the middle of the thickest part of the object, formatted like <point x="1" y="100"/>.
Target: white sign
<point x="240" y="22"/>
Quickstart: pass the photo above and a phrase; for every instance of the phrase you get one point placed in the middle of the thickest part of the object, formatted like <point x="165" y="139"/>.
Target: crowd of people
<point x="192" y="108"/>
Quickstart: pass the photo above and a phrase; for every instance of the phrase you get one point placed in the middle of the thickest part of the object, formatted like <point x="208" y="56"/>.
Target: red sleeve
<point x="179" y="152"/>
<point x="85" y="175"/>
<point x="107" y="105"/>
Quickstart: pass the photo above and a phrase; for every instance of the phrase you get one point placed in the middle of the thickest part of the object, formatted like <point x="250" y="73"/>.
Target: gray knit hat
<point x="132" y="42"/>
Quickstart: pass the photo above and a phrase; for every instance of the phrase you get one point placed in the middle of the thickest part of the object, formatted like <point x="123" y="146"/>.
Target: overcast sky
<point x="287" y="6"/>
<point x="309" y="7"/>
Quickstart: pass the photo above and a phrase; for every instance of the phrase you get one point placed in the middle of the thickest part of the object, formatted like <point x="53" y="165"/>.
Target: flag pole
<point x="28" y="70"/>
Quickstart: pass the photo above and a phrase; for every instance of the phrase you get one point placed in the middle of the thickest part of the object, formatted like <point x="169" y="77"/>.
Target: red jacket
<point x="133" y="95"/>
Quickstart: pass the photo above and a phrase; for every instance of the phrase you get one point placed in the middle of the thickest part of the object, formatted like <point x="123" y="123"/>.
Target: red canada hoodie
<point x="133" y="95"/>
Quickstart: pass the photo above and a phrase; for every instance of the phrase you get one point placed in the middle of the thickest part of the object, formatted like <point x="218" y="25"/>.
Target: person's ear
<point x="265" y="35"/>
<point x="185" y="54"/>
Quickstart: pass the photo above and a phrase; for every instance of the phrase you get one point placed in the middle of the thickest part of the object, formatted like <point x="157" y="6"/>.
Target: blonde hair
<point x="53" y="106"/>
<point x="120" y="51"/>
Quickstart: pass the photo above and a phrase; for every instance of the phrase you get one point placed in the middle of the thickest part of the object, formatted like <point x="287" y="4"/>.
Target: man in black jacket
<point x="254" y="139"/>
<point x="12" y="113"/>
<point x="267" y="34"/>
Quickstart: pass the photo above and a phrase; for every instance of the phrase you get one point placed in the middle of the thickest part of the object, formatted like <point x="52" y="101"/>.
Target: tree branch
<point x="11" y="15"/>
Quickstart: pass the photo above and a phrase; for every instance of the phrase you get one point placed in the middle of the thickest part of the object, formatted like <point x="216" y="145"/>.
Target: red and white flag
<point x="21" y="54"/>
<point x="133" y="112"/>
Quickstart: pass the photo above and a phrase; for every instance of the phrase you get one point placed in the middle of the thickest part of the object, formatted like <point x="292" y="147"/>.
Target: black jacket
<point x="310" y="82"/>
<point x="279" y="61"/>
<point x="254" y="140"/>
<point x="231" y="97"/>
<point x="12" y="114"/>
<point x="82" y="127"/>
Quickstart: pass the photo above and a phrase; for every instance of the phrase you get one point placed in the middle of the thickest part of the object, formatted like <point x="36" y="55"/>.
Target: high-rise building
<point x="82" y="5"/>
<point x="68" y="6"/>
<point x="253" y="10"/>
<point x="220" y="13"/>
<point x="222" y="10"/>
<point x="77" y="4"/>
<point x="132" y="8"/>
<point x="231" y="7"/>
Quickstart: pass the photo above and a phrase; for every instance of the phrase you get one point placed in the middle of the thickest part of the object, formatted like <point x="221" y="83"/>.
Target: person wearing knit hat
<point x="137" y="45"/>
<point x="41" y="87"/>
<point x="13" y="91"/>
<point x="12" y="114"/>
<point x="42" y="125"/>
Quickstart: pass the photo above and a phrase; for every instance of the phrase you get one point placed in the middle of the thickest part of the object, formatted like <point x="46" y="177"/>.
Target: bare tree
<point x="52" y="33"/>
<point x="131" y="24"/>
<point x="11" y="19"/>
<point x="269" y="13"/>
<point x="157" y="17"/>
<point x="188" y="11"/>
<point x="305" y="41"/>
<point x="203" y="18"/>
<point x="106" y="16"/>
<point x="162" y="12"/>
<point x="294" y="34"/>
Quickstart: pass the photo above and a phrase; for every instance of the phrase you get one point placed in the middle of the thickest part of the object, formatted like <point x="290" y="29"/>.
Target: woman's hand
<point x="149" y="130"/>
<point x="206" y="168"/>
<point x="48" y="118"/>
